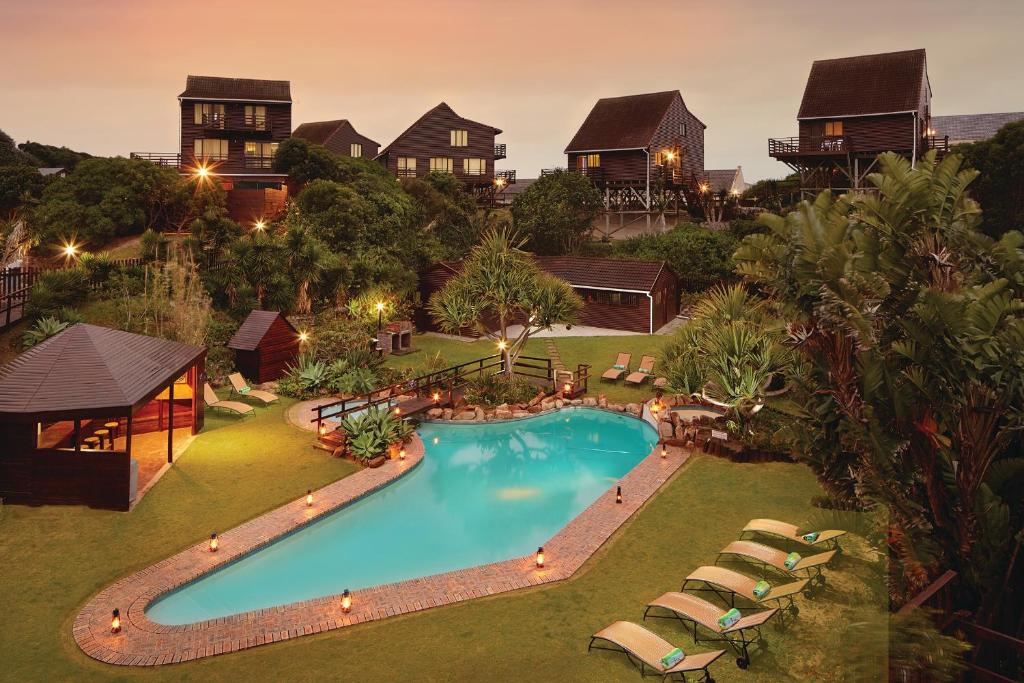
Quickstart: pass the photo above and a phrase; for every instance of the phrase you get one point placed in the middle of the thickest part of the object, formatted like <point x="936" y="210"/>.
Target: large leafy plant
<point x="371" y="432"/>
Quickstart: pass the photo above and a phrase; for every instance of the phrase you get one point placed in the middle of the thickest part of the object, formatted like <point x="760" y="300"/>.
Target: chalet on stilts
<point x="265" y="345"/>
<point x="339" y="137"/>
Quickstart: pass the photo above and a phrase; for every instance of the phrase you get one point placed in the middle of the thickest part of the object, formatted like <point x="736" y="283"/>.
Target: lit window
<point x="441" y="164"/>
<point x="406" y="167"/>
<point x="355" y="150"/>
<point x="209" y="114"/>
<point x="585" y="161"/>
<point x="260" y="154"/>
<point x="256" y="116"/>
<point x="214" y="150"/>
<point x="833" y="128"/>
<point x="474" y="166"/>
<point x="460" y="138"/>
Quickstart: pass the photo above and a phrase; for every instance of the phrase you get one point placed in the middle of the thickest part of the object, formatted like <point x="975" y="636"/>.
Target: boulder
<point x="547" y="404"/>
<point x="447" y="414"/>
<point x="590" y="401"/>
<point x="634" y="408"/>
<point x="536" y="399"/>
<point x="665" y="430"/>
<point x="602" y="401"/>
<point x="576" y="402"/>
<point x="466" y="415"/>
<point x="502" y="414"/>
<point x="503" y="406"/>
<point x="520" y="413"/>
<point x="478" y="414"/>
<point x="435" y="413"/>
<point x="617" y="407"/>
<point x="559" y="403"/>
<point x="534" y="409"/>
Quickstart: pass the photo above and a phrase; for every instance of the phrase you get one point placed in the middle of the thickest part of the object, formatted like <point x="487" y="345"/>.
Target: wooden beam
<point x="170" y="424"/>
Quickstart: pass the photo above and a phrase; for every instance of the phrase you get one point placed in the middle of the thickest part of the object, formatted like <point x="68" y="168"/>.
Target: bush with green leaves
<point x="700" y="257"/>
<point x="371" y="432"/>
<point x="309" y="377"/>
<point x="555" y="213"/>
<point x="493" y="390"/>
<point x="56" y="290"/>
<point x="43" y="330"/>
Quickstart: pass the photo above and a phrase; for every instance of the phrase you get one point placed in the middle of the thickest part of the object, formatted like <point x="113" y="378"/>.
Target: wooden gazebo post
<point x="170" y="423"/>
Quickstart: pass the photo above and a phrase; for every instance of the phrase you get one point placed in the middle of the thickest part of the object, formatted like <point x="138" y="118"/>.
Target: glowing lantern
<point x="567" y="389"/>
<point x="260" y="225"/>
<point x="303" y="337"/>
<point x="664" y="451"/>
<point x="502" y="345"/>
<point x="540" y="557"/>
<point x="213" y="542"/>
<point x="398" y="411"/>
<point x="437" y="397"/>
<point x="618" y="495"/>
<point x="323" y="429"/>
<point x="346" y="601"/>
<point x="309" y="498"/>
<point x="401" y="454"/>
<point x="115" y="621"/>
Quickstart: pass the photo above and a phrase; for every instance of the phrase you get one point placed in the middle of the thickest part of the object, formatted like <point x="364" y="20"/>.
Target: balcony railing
<point x="251" y="122"/>
<point x="940" y="143"/>
<point x="499" y="151"/>
<point x="259" y="162"/>
<point x="407" y="173"/>
<point x="506" y="177"/>
<point x="159" y="158"/>
<point x="595" y="173"/>
<point x="830" y="144"/>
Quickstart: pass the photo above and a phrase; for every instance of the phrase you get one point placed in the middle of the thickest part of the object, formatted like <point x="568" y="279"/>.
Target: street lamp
<point x="380" y="315"/>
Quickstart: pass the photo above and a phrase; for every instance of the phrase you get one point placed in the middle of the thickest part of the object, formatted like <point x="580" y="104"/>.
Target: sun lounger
<point x="691" y="609"/>
<point x="828" y="538"/>
<point x="241" y="387"/>
<point x="621" y="366"/>
<point x="643" y="371"/>
<point x="766" y="556"/>
<point x="729" y="585"/>
<point x="645" y="650"/>
<point x="210" y="396"/>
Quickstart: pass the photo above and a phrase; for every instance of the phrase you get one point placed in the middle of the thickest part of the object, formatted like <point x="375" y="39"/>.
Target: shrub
<point x="220" y="360"/>
<point x="497" y="389"/>
<point x="336" y="336"/>
<point x="56" y="290"/>
<point x="42" y="330"/>
<point x="308" y="378"/>
<point x="370" y="433"/>
<point x="700" y="257"/>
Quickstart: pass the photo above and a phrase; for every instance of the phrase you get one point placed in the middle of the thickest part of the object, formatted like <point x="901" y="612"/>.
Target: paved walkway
<point x="575" y="331"/>
<point x="142" y="642"/>
<point x="303" y="413"/>
<point x="552" y="349"/>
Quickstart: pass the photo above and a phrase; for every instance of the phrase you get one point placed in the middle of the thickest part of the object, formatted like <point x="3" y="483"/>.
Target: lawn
<point x="52" y="559"/>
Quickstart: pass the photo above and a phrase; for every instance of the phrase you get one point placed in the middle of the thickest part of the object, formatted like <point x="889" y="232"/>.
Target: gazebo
<point x="73" y="408"/>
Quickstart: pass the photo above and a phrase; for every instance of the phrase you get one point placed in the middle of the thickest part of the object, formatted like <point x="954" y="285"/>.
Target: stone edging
<point x="142" y="642"/>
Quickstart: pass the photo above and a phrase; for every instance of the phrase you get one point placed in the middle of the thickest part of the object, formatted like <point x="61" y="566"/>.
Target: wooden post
<point x="78" y="436"/>
<point x="170" y="424"/>
<point x="128" y="436"/>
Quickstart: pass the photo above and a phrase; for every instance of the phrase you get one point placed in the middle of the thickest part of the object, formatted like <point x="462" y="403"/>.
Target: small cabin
<point x="265" y="345"/>
<point x="339" y="137"/>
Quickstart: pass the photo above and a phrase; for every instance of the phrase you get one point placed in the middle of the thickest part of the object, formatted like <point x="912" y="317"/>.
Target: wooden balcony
<point x="262" y="163"/>
<point x="159" y="158"/>
<point x="506" y="177"/>
<point x="499" y="151"/>
<point x="940" y="144"/>
<point x="596" y="174"/>
<point x="213" y="123"/>
<point x="824" y="146"/>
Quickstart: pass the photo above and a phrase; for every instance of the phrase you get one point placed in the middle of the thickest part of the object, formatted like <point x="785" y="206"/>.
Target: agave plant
<point x="42" y="330"/>
<point x="372" y="432"/>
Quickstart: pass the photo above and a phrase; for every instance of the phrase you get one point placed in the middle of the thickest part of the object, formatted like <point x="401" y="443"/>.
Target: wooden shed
<point x="265" y="345"/>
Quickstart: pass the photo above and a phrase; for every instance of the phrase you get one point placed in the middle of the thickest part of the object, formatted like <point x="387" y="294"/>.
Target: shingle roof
<point x="603" y="272"/>
<point x="249" y="89"/>
<point x="721" y="179"/>
<point x="868" y="84"/>
<point x="622" y="122"/>
<point x="443" y="107"/>
<point x="973" y="127"/>
<point x="248" y="336"/>
<point x="87" y="367"/>
<point x="319" y="132"/>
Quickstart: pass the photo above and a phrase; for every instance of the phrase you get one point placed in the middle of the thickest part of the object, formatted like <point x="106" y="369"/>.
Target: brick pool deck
<point x="142" y="642"/>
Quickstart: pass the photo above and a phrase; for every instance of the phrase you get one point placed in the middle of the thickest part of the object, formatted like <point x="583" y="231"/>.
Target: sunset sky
<point x="102" y="77"/>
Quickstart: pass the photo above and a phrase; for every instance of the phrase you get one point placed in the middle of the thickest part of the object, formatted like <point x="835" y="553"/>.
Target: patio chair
<point x="643" y="372"/>
<point x="766" y="556"/>
<point x="729" y="585"/>
<point x="241" y="387"/>
<point x="828" y="538"/>
<point x="689" y="609"/>
<point x="645" y="650"/>
<point x="210" y="397"/>
<point x="613" y="373"/>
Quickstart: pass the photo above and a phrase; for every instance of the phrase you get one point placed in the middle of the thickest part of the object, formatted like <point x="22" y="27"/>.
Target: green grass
<point x="52" y="559"/>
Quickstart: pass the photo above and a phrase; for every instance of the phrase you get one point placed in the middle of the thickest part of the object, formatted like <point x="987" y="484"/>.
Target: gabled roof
<point x="246" y="89"/>
<point x="606" y="273"/>
<point x="251" y="332"/>
<point x="443" y="107"/>
<point x="721" y="179"/>
<point x="973" y="126"/>
<point x="320" y="132"/>
<point x="87" y="367"/>
<point x="869" y="84"/>
<point x="628" y="122"/>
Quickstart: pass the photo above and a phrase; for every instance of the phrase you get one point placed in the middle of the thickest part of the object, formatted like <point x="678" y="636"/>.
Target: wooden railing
<point x="159" y="158"/>
<point x="595" y="173"/>
<point x="507" y="177"/>
<point x="807" y="145"/>
<point x="941" y="144"/>
<point x="499" y="151"/>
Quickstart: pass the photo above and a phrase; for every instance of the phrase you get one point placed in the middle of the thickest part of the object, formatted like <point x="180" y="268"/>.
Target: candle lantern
<point x="213" y="542"/>
<point x="664" y="451"/>
<point x="618" y="494"/>
<point x="401" y="454"/>
<point x="540" y="557"/>
<point x="309" y="498"/>
<point x="115" y="621"/>
<point x="346" y="601"/>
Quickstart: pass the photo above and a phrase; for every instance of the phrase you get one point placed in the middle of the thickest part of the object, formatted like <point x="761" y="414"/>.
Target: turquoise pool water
<point x="483" y="493"/>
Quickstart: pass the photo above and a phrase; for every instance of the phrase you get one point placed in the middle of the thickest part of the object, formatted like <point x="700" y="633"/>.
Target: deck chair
<point x="643" y="371"/>
<point x="689" y="609"/>
<point x="241" y="387"/>
<point x="772" y="527"/>
<point x="729" y="585"/>
<point x="210" y="397"/>
<point x="645" y="650"/>
<point x="766" y="556"/>
<point x="615" y="372"/>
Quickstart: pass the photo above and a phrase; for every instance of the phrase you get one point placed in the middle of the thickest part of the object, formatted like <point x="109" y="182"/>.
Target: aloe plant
<point x="43" y="330"/>
<point x="370" y="433"/>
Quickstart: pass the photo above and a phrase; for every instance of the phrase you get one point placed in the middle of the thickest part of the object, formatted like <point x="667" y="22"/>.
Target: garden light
<point x="213" y="542"/>
<point x="202" y="171"/>
<point x="618" y="495"/>
<point x="303" y="337"/>
<point x="69" y="250"/>
<point x="309" y="498"/>
<point x="502" y="345"/>
<point x="260" y="225"/>
<point x="540" y="557"/>
<point x="437" y="397"/>
<point x="115" y="621"/>
<point x="398" y="411"/>
<point x="323" y="429"/>
<point x="401" y="454"/>
<point x="664" y="451"/>
<point x="346" y="601"/>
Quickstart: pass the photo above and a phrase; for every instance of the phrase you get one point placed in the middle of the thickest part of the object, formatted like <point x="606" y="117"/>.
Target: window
<point x="355" y="150"/>
<point x="600" y="296"/>
<point x="260" y="154"/>
<point x="256" y="116"/>
<point x="460" y="138"/>
<point x="682" y="129"/>
<point x="474" y="166"/>
<point x="406" y="167"/>
<point x="209" y="114"/>
<point x="833" y="129"/>
<point x="214" y="150"/>
<point x="585" y="161"/>
<point x="441" y="164"/>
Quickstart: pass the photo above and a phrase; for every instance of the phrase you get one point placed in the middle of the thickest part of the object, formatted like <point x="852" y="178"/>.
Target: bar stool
<point x="115" y="429"/>
<point x="91" y="442"/>
<point x="104" y="435"/>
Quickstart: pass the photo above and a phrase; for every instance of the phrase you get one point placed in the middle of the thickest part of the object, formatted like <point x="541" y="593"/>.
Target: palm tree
<point x="308" y="258"/>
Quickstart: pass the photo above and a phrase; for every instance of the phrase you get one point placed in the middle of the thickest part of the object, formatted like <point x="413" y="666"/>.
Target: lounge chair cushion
<point x="791" y="560"/>
<point x="811" y="537"/>
<point x="729" y="618"/>
<point x="672" y="658"/>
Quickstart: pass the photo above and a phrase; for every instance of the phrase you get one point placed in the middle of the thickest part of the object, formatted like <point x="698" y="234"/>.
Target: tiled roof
<point x="973" y="127"/>
<point x="721" y="179"/>
<point x="248" y="336"/>
<point x="622" y="122"/>
<point x="250" y="89"/>
<point x="868" y="84"/>
<point x="441" y="107"/>
<point x="87" y="367"/>
<point x="319" y="132"/>
<point x="603" y="272"/>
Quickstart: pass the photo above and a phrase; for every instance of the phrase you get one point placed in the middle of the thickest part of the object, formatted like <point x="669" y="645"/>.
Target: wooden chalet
<point x="726" y="180"/>
<point x="230" y="129"/>
<point x="853" y="109"/>
<point x="339" y="137"/>
<point x="265" y="345"/>
<point x="640" y="148"/>
<point x="442" y="141"/>
<point x="90" y="415"/>
<point x="636" y="296"/>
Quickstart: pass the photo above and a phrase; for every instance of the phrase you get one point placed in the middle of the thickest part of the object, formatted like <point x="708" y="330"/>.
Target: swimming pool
<point x="483" y="493"/>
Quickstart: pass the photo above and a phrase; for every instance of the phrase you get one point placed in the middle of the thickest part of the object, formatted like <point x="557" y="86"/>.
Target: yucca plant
<point x="43" y="330"/>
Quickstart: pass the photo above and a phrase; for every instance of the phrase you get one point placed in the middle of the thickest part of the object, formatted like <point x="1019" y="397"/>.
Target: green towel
<point x="619" y="367"/>
<point x="244" y="390"/>
<point x="791" y="560"/>
<point x="728" y="619"/>
<point x="761" y="589"/>
<point x="644" y="370"/>
<point x="672" y="658"/>
<point x="811" y="537"/>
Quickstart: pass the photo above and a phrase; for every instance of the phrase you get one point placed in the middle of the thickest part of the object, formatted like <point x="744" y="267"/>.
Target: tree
<point x="51" y="156"/>
<point x="908" y="325"/>
<point x="10" y="155"/>
<point x="213" y="231"/>
<point x="556" y="212"/>
<point x="308" y="259"/>
<point x="305" y="162"/>
<point x="501" y="283"/>
<point x="694" y="252"/>
<point x="1000" y="187"/>
<point x="20" y="185"/>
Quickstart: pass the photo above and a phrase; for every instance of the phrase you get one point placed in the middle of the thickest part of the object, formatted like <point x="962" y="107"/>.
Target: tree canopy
<point x="556" y="212"/>
<point x="1000" y="186"/>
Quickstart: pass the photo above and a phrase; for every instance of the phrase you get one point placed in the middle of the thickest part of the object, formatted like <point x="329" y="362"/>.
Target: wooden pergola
<point x="70" y="406"/>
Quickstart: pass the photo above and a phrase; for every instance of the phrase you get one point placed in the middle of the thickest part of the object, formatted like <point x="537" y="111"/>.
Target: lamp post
<point x="380" y="315"/>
